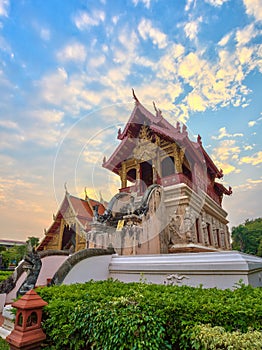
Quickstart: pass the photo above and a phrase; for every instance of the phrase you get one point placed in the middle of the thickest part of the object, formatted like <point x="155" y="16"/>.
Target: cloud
<point x="146" y="30"/>
<point x="93" y="157"/>
<point x="253" y="160"/>
<point x="223" y="133"/>
<point x="8" y="124"/>
<point x="84" y="20"/>
<point x="224" y="41"/>
<point x="251" y="123"/>
<point x="216" y="3"/>
<point x="4" y="7"/>
<point x="191" y="66"/>
<point x="248" y="148"/>
<point x="226" y="153"/>
<point x="249" y="193"/>
<point x="254" y="8"/>
<point x="45" y="34"/>
<point x="196" y="102"/>
<point x="191" y="28"/>
<point x="249" y="184"/>
<point x="246" y="34"/>
<point x="146" y="3"/>
<point x="97" y="61"/>
<point x="189" y="3"/>
<point x="72" y="52"/>
<point x="68" y="92"/>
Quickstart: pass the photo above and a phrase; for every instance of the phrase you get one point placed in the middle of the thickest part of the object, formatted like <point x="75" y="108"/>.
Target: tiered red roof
<point x="165" y="130"/>
<point x="83" y="211"/>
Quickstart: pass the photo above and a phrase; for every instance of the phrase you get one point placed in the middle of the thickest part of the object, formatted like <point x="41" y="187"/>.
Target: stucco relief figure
<point x="188" y="225"/>
<point x="174" y="279"/>
<point x="174" y="231"/>
<point x="204" y="230"/>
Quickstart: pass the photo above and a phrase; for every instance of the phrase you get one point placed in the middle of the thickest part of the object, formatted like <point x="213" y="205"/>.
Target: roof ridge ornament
<point x="134" y="96"/>
<point x="199" y="139"/>
<point x="88" y="201"/>
<point x="158" y="111"/>
<point x="86" y="196"/>
<point x="65" y="187"/>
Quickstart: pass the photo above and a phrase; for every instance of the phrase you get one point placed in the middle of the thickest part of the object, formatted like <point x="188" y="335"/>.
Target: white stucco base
<point x="8" y="324"/>
<point x="93" y="268"/>
<point x="209" y="269"/>
<point x="212" y="269"/>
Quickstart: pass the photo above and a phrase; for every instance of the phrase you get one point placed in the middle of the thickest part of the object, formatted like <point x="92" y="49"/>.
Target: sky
<point x="67" y="69"/>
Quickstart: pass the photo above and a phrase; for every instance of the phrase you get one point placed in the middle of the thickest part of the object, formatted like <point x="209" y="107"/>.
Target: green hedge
<point x="207" y="337"/>
<point x="4" y="275"/>
<point x="4" y="345"/>
<point x="113" y="315"/>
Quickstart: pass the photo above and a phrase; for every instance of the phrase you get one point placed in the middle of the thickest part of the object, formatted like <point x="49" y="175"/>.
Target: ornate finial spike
<point x="101" y="200"/>
<point x="86" y="196"/>
<point x="104" y="159"/>
<point x="199" y="139"/>
<point x="65" y="186"/>
<point x="155" y="107"/>
<point x="134" y="96"/>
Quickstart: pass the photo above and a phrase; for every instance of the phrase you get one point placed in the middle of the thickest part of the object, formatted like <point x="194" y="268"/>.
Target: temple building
<point x="70" y="224"/>
<point x="169" y="201"/>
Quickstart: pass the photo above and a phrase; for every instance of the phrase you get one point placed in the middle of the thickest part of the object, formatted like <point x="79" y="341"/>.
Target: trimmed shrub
<point x="205" y="337"/>
<point x="114" y="315"/>
<point x="4" y="275"/>
<point x="3" y="344"/>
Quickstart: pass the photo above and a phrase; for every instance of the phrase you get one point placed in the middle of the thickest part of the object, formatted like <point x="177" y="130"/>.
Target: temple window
<point x="218" y="237"/>
<point x="167" y="166"/>
<point x="146" y="174"/>
<point x="187" y="172"/>
<point x="131" y="175"/>
<point x="197" y="231"/>
<point x="209" y="234"/>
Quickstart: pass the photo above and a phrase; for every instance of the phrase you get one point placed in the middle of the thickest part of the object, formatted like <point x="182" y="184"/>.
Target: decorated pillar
<point x="178" y="157"/>
<point x="138" y="175"/>
<point x="123" y="175"/>
<point x="61" y="231"/>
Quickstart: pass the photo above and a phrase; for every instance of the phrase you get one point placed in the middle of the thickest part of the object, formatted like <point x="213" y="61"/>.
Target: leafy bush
<point x="3" y="344"/>
<point x="4" y="275"/>
<point x="115" y="315"/>
<point x="207" y="337"/>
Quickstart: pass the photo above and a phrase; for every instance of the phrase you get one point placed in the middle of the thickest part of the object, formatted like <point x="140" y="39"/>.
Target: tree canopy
<point x="247" y="237"/>
<point x="10" y="257"/>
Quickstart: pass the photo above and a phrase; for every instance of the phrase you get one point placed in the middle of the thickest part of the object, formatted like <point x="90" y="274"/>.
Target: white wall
<point x="93" y="268"/>
<point x="50" y="264"/>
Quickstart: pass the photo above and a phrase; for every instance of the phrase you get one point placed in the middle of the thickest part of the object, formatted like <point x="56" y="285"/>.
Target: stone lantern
<point x="27" y="333"/>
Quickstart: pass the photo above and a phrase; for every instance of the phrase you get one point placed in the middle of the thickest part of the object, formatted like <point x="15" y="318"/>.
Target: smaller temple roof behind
<point x="82" y="211"/>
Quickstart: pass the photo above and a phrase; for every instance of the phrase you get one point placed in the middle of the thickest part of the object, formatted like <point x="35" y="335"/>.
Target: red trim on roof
<point x="82" y="211"/>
